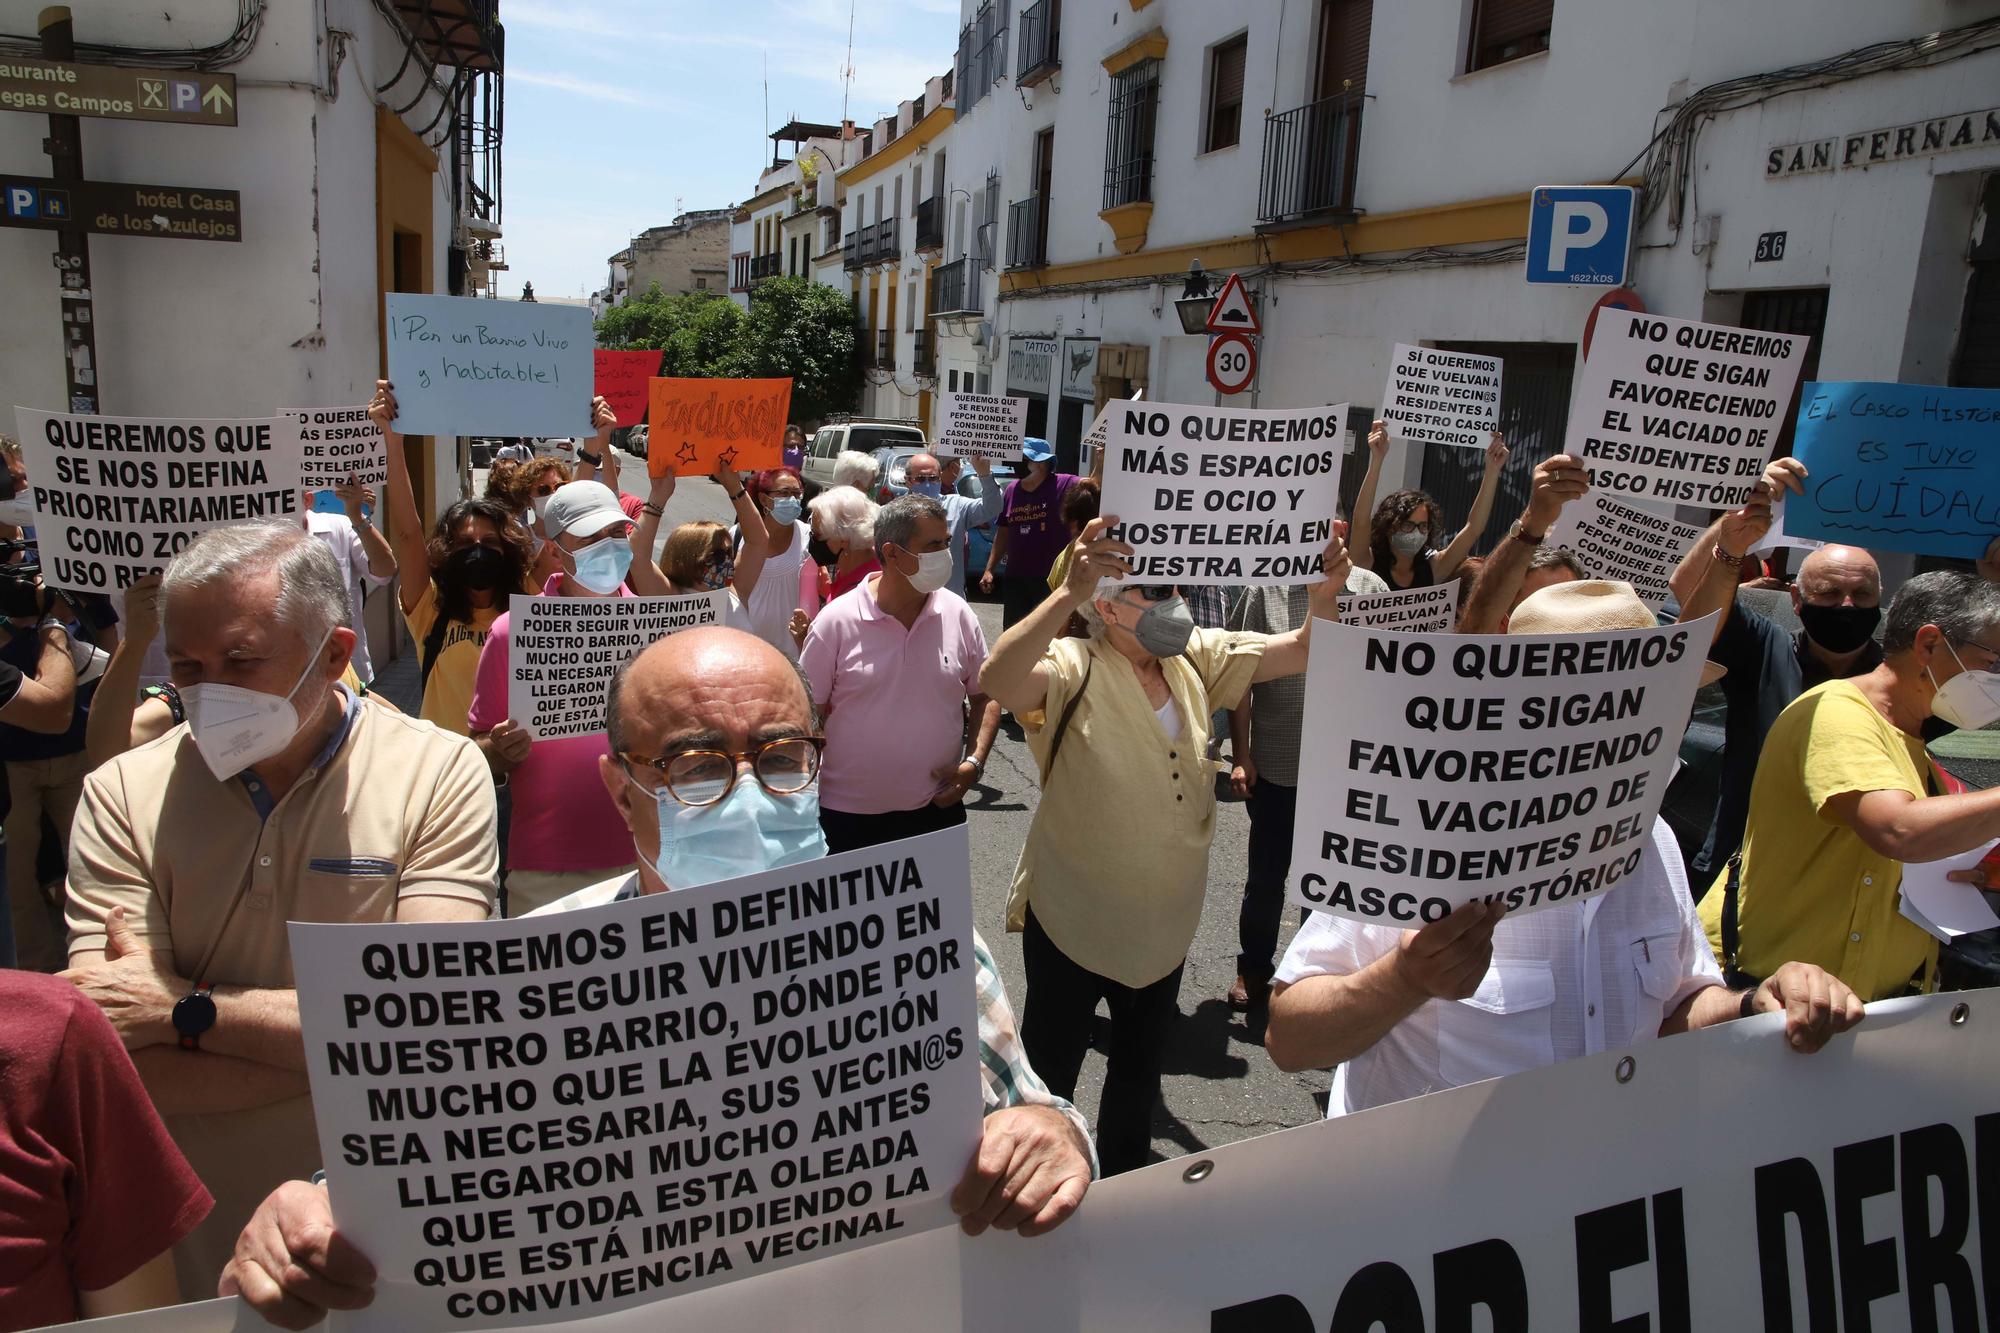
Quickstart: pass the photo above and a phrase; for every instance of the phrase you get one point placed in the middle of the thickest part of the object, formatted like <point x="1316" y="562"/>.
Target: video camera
<point x="21" y="593"/>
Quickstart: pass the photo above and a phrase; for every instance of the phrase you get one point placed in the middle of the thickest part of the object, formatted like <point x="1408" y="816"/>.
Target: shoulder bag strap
<point x="1732" y="887"/>
<point x="433" y="645"/>
<point x="1068" y="712"/>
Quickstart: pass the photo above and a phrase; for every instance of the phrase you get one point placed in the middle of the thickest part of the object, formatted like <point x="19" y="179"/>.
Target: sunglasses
<point x="1152" y="592"/>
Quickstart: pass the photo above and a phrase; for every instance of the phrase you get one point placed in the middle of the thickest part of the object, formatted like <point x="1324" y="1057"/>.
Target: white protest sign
<point x="1228" y="495"/>
<point x="1432" y="610"/>
<point x="561" y="1115"/>
<point x="116" y="497"/>
<point x="339" y="444"/>
<point x="1728" y="1218"/>
<point x="561" y="652"/>
<point x="1094" y="438"/>
<point x="1525" y="768"/>
<point x="1438" y="397"/>
<point x="1778" y="538"/>
<point x="1618" y="541"/>
<point x="981" y="425"/>
<point x="1676" y="410"/>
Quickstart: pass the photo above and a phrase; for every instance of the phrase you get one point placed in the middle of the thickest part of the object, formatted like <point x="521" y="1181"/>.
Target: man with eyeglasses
<point x="562" y="834"/>
<point x="1109" y="888"/>
<point x="714" y="756"/>
<point x="926" y="476"/>
<point x="1845" y="795"/>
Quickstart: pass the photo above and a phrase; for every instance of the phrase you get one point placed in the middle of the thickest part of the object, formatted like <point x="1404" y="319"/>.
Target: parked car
<point x="829" y="442"/>
<point x="635" y="440"/>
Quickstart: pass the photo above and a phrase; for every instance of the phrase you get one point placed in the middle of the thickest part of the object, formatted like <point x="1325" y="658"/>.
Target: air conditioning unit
<point x="983" y="335"/>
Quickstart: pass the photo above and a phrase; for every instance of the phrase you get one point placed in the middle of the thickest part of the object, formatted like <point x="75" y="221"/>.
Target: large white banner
<point x="559" y="1116"/>
<point x="1440" y="397"/>
<point x="562" y="651"/>
<point x="1231" y="495"/>
<point x="1679" y="411"/>
<point x="340" y="444"/>
<point x="1620" y="541"/>
<point x="117" y="497"/>
<point x="1483" y="767"/>
<point x="1713" y="1181"/>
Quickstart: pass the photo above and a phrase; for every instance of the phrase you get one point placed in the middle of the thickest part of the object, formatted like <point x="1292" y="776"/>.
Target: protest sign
<point x="1439" y="397"/>
<point x="338" y="444"/>
<point x="1230" y="495"/>
<point x="1676" y="410"/>
<point x="1777" y="537"/>
<point x="561" y="652"/>
<point x="466" y="366"/>
<point x="622" y="381"/>
<point x="1899" y="467"/>
<point x="1614" y="540"/>
<point x="115" y="498"/>
<point x="1722" y="1175"/>
<point x="1523" y="769"/>
<point x="981" y="425"/>
<point x="699" y="425"/>
<point x="557" y="1116"/>
<point x="1432" y="610"/>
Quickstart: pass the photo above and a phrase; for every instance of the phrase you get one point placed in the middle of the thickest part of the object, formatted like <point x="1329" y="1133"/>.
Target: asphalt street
<point x="1220" y="1086"/>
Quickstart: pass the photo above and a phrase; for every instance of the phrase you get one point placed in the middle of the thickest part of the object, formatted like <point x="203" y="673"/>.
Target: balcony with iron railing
<point x="930" y="224"/>
<point x="955" y="287"/>
<point x="739" y="272"/>
<point x="853" y="247"/>
<point x="885" y="350"/>
<point x="1041" y="35"/>
<point x="1309" y="158"/>
<point x="1027" y="237"/>
<point x="766" y="266"/>
<point x="888" y="241"/>
<point x="923" y="355"/>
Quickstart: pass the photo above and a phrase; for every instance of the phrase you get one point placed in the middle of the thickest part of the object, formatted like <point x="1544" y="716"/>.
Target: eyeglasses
<point x="782" y="767"/>
<point x="1992" y="654"/>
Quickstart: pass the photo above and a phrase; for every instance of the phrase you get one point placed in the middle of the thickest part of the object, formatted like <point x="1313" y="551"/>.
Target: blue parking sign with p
<point x="1581" y="235"/>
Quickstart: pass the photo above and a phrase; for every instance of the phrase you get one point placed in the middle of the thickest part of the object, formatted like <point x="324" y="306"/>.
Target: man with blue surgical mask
<point x="962" y="513"/>
<point x="562" y="836"/>
<point x="283" y="797"/>
<point x="713" y="764"/>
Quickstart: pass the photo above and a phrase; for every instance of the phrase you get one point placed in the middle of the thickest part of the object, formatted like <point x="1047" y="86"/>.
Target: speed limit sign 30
<point x="1232" y="362"/>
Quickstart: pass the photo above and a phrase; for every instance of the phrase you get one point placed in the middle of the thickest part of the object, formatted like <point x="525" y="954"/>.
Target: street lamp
<point x="1195" y="303"/>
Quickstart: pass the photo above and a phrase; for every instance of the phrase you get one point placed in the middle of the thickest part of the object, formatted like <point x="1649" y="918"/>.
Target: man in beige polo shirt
<point x="284" y="797"/>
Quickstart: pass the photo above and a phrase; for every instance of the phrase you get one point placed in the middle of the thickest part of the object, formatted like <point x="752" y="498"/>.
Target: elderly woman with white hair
<point x="844" y="519"/>
<point x="1109" y="888"/>
<point x="853" y="468"/>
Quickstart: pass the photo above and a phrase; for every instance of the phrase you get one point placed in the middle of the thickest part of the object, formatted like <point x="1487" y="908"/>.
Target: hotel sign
<point x="1893" y="143"/>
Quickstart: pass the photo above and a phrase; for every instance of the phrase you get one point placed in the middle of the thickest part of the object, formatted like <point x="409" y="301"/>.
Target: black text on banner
<point x="339" y="444"/>
<point x="1238" y="496"/>
<point x="1440" y="397"/>
<point x="1619" y="541"/>
<point x="562" y="651"/>
<point x="981" y="425"/>
<point x="116" y="497"/>
<point x="1432" y="610"/>
<point x="1680" y="411"/>
<point x="1525" y="769"/>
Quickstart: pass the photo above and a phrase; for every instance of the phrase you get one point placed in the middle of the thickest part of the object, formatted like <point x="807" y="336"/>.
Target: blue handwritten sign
<point x="465" y="366"/>
<point x="1899" y="467"/>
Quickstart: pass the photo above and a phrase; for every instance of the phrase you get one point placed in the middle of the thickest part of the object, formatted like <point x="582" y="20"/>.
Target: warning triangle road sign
<point x="1231" y="312"/>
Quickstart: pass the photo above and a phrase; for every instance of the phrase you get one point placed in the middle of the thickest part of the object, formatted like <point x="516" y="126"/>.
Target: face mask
<point x="931" y="487"/>
<point x="477" y="568"/>
<point x="1839" y="629"/>
<point x="1408" y="543"/>
<point x="234" y="727"/>
<point x="785" y="509"/>
<point x="1970" y="700"/>
<point x="746" y="832"/>
<point x="1165" y="628"/>
<point x="541" y="503"/>
<point x="933" y="571"/>
<point x="602" y="565"/>
<point x="717" y="572"/>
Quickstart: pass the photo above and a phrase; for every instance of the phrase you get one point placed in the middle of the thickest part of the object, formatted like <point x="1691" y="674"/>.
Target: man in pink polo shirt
<point x="564" y="833"/>
<point x="893" y="665"/>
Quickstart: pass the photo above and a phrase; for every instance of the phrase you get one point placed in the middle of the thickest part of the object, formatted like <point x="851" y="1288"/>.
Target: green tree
<point x="807" y="331"/>
<point x="703" y="335"/>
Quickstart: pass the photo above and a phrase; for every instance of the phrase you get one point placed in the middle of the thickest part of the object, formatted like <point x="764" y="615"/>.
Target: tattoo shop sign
<point x="116" y="498"/>
<point x="339" y="444"/>
<point x="1618" y="541"/>
<point x="562" y="651"/>
<point x="1680" y="411"/>
<point x="1439" y="397"/>
<point x="981" y="425"/>
<point x="1518" y="768"/>
<point x="1432" y="610"/>
<point x="559" y="1116"/>
<point x="1239" y="496"/>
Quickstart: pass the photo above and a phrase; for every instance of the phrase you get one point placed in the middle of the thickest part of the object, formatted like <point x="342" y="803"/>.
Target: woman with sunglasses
<point x="1109" y="888"/>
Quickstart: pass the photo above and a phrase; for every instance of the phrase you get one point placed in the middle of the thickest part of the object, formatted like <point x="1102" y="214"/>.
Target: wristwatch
<point x="194" y="1014"/>
<point x="978" y="767"/>
<point x="1526" y="538"/>
<point x="1748" y="1005"/>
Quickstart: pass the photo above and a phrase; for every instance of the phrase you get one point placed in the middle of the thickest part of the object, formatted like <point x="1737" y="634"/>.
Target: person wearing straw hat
<point x="1473" y="996"/>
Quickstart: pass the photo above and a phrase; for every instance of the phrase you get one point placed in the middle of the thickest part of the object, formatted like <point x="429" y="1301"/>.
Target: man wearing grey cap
<point x="563" y="831"/>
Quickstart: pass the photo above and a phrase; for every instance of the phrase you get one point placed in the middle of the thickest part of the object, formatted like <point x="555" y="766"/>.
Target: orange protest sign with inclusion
<point x="698" y="424"/>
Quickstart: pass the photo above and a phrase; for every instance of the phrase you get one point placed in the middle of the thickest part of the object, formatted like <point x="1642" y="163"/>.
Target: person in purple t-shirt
<point x="794" y="451"/>
<point x="1031" y="533"/>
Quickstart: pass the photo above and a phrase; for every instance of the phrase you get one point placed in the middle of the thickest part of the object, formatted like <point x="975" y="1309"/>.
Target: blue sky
<point x="617" y="108"/>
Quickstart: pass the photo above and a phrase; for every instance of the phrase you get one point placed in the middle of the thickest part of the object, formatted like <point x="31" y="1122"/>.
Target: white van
<point x="862" y="436"/>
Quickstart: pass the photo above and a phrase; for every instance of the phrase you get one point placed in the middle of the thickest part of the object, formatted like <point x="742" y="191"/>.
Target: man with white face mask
<point x="561" y="836"/>
<point x="893" y="667"/>
<point x="1845" y="795"/>
<point x="284" y="797"/>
